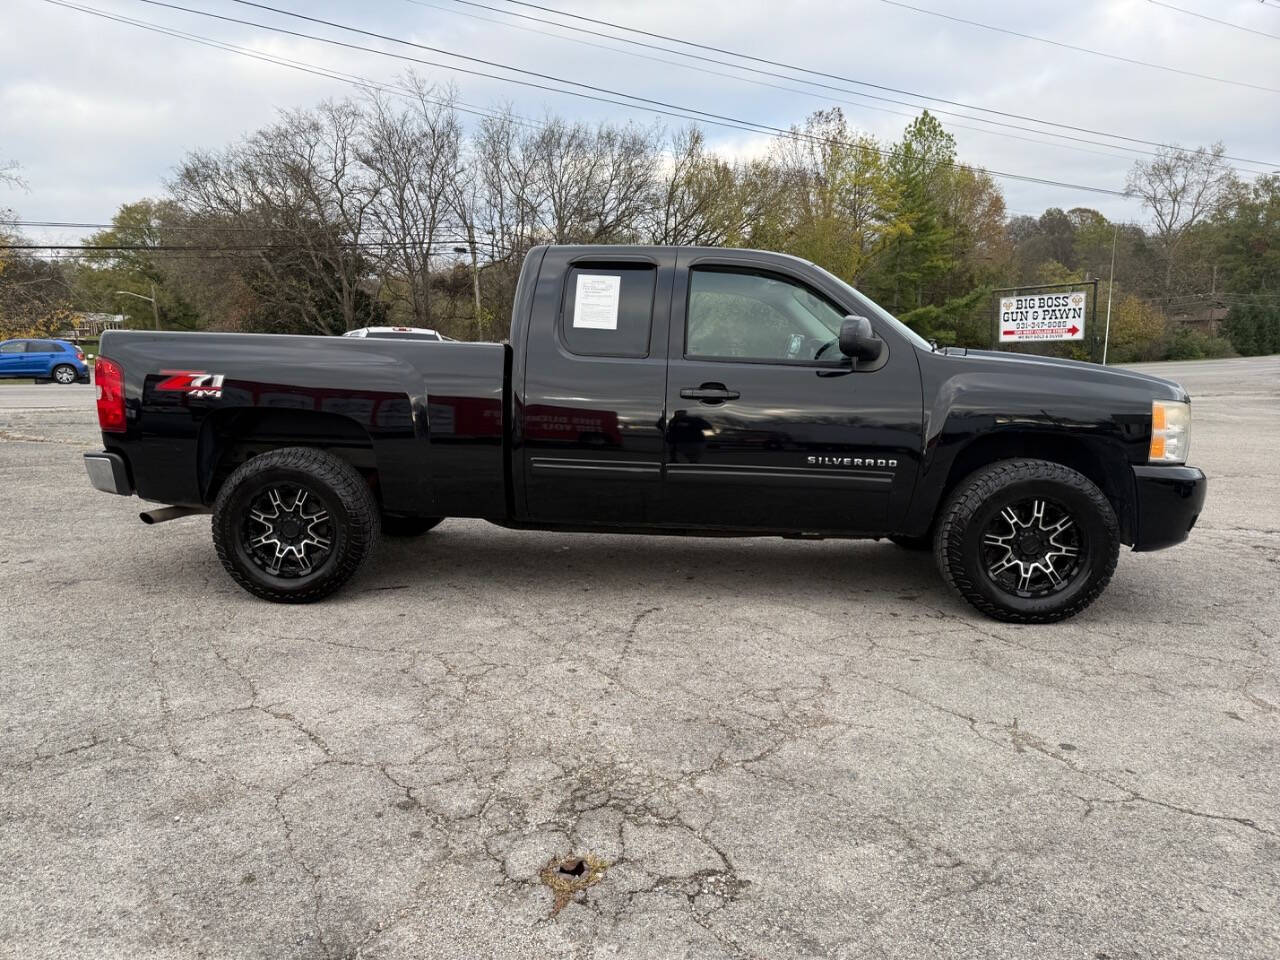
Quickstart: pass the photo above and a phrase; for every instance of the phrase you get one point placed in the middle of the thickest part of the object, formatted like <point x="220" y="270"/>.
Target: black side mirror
<point x="858" y="341"/>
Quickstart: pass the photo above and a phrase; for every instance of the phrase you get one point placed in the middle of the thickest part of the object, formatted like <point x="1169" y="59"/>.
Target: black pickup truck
<point x="669" y="390"/>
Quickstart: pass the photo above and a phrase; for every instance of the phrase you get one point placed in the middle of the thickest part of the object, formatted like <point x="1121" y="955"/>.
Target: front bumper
<point x="1169" y="501"/>
<point x="107" y="472"/>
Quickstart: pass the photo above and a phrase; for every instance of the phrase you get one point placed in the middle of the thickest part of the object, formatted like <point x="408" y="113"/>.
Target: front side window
<point x="608" y="310"/>
<point x="13" y="346"/>
<point x="742" y="315"/>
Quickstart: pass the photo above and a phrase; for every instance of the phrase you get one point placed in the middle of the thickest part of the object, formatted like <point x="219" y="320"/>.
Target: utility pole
<point x="475" y="270"/>
<point x="1111" y="284"/>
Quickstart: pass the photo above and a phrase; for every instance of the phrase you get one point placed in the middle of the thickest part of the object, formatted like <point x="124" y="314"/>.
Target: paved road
<point x="46" y="396"/>
<point x="779" y="749"/>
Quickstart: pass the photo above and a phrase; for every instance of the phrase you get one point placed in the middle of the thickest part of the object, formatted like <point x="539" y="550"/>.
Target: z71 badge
<point x="851" y="462"/>
<point x="194" y="383"/>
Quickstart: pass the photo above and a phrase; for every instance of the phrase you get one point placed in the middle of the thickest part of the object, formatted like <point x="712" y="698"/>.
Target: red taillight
<point x="80" y="355"/>
<point x="109" y="378"/>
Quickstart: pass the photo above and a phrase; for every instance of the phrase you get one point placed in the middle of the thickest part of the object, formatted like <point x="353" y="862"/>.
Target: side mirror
<point x="858" y="341"/>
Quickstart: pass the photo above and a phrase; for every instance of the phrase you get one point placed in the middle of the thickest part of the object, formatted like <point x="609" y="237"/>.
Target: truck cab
<point x="714" y="394"/>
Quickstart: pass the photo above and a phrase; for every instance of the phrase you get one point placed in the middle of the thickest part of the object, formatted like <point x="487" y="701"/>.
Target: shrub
<point x="1189" y="344"/>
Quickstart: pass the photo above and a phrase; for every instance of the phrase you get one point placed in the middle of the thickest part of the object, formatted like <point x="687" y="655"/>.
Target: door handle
<point x="710" y="393"/>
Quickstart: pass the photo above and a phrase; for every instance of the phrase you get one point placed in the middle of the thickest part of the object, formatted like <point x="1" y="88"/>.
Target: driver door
<point x="768" y="426"/>
<point x="13" y="359"/>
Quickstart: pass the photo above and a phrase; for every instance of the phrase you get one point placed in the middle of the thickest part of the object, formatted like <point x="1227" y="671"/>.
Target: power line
<point x="835" y="76"/>
<point x="1225" y="23"/>
<point x="252" y="247"/>
<point x="179" y="227"/>
<point x="352" y="79"/>
<point x="653" y="106"/>
<point x="774" y="86"/>
<point x="1071" y="46"/>
<point x="704" y="117"/>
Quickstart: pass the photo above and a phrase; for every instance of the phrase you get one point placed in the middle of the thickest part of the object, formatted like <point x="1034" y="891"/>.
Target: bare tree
<point x="700" y="198"/>
<point x="1181" y="188"/>
<point x="10" y="177"/>
<point x="297" y="189"/>
<point x="415" y="155"/>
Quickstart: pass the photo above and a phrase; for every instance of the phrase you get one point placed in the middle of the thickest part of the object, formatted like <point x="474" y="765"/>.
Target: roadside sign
<point x="1042" y="316"/>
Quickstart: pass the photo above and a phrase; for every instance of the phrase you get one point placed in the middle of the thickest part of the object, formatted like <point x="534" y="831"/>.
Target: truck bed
<point x="429" y="417"/>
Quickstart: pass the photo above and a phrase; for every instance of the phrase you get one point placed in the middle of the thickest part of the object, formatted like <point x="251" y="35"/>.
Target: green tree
<point x="841" y="202"/>
<point x="1248" y="237"/>
<point x="145" y="229"/>
<point x="920" y="169"/>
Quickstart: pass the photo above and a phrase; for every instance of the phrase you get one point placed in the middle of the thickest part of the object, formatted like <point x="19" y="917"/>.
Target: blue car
<point x="43" y="360"/>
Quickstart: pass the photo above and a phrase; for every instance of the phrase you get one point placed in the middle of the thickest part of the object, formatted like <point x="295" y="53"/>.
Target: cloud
<point x="98" y="113"/>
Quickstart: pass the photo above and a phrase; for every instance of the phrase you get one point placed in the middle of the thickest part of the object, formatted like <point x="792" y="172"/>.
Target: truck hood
<point x="1023" y="363"/>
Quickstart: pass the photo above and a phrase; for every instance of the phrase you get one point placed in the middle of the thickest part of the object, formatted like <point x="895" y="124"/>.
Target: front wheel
<point x="293" y="525"/>
<point x="64" y="373"/>
<point x="1027" y="541"/>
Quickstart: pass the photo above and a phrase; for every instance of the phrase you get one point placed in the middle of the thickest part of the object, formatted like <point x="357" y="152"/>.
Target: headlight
<point x="1170" y="431"/>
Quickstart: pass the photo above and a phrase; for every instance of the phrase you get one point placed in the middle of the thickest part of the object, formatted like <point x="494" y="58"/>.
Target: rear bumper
<point x="1169" y="503"/>
<point x="107" y="472"/>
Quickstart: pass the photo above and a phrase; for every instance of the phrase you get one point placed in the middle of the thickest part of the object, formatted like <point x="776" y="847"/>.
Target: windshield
<point x="880" y="312"/>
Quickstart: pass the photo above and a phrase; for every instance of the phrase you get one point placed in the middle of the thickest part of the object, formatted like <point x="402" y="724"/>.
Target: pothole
<point x="568" y="876"/>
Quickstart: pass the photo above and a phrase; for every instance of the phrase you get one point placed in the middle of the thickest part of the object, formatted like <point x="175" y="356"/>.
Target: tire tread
<point x="347" y="484"/>
<point x="972" y="492"/>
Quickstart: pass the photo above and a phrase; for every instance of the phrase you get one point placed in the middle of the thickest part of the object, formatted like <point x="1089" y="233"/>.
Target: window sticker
<point x="595" y="302"/>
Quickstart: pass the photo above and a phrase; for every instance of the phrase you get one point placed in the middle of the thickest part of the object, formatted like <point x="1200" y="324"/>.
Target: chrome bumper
<point x="108" y="473"/>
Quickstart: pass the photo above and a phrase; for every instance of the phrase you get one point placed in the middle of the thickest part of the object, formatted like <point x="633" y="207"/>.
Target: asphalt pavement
<point x="759" y="748"/>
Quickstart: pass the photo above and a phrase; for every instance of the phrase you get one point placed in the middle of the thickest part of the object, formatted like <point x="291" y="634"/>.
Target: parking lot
<point x="766" y="748"/>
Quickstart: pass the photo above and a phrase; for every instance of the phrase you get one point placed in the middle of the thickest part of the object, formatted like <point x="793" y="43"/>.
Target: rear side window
<point x="608" y="310"/>
<point x="42" y="346"/>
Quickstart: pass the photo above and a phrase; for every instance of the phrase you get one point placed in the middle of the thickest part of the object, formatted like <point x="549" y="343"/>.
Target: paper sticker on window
<point x="595" y="302"/>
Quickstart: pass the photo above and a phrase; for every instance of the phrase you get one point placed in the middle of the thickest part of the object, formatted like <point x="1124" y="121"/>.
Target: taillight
<point x="108" y="376"/>
<point x="80" y="355"/>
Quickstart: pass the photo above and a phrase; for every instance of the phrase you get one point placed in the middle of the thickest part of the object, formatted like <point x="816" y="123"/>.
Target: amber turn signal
<point x="1170" y="431"/>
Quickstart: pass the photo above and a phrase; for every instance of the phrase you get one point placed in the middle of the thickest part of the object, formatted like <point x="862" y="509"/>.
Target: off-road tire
<point x="393" y="526"/>
<point x="346" y="496"/>
<point x="983" y="494"/>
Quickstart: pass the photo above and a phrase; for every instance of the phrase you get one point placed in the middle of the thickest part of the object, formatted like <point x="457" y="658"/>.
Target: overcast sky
<point x="98" y="113"/>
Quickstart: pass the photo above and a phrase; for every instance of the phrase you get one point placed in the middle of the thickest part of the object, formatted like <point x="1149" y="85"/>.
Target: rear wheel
<point x="393" y="526"/>
<point x="64" y="373"/>
<point x="294" y="525"/>
<point x="1028" y="541"/>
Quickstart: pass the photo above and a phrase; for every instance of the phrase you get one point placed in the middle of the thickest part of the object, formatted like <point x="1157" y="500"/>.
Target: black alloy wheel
<point x="1027" y="541"/>
<point x="293" y="525"/>
<point x="287" y="531"/>
<point x="1033" y="548"/>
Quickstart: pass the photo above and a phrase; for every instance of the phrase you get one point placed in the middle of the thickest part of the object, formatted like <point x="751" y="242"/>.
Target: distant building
<point x="89" y="326"/>
<point x="1203" y="315"/>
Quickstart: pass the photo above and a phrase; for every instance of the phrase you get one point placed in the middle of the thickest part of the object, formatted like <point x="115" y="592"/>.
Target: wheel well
<point x="1108" y="470"/>
<point x="231" y="437"/>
